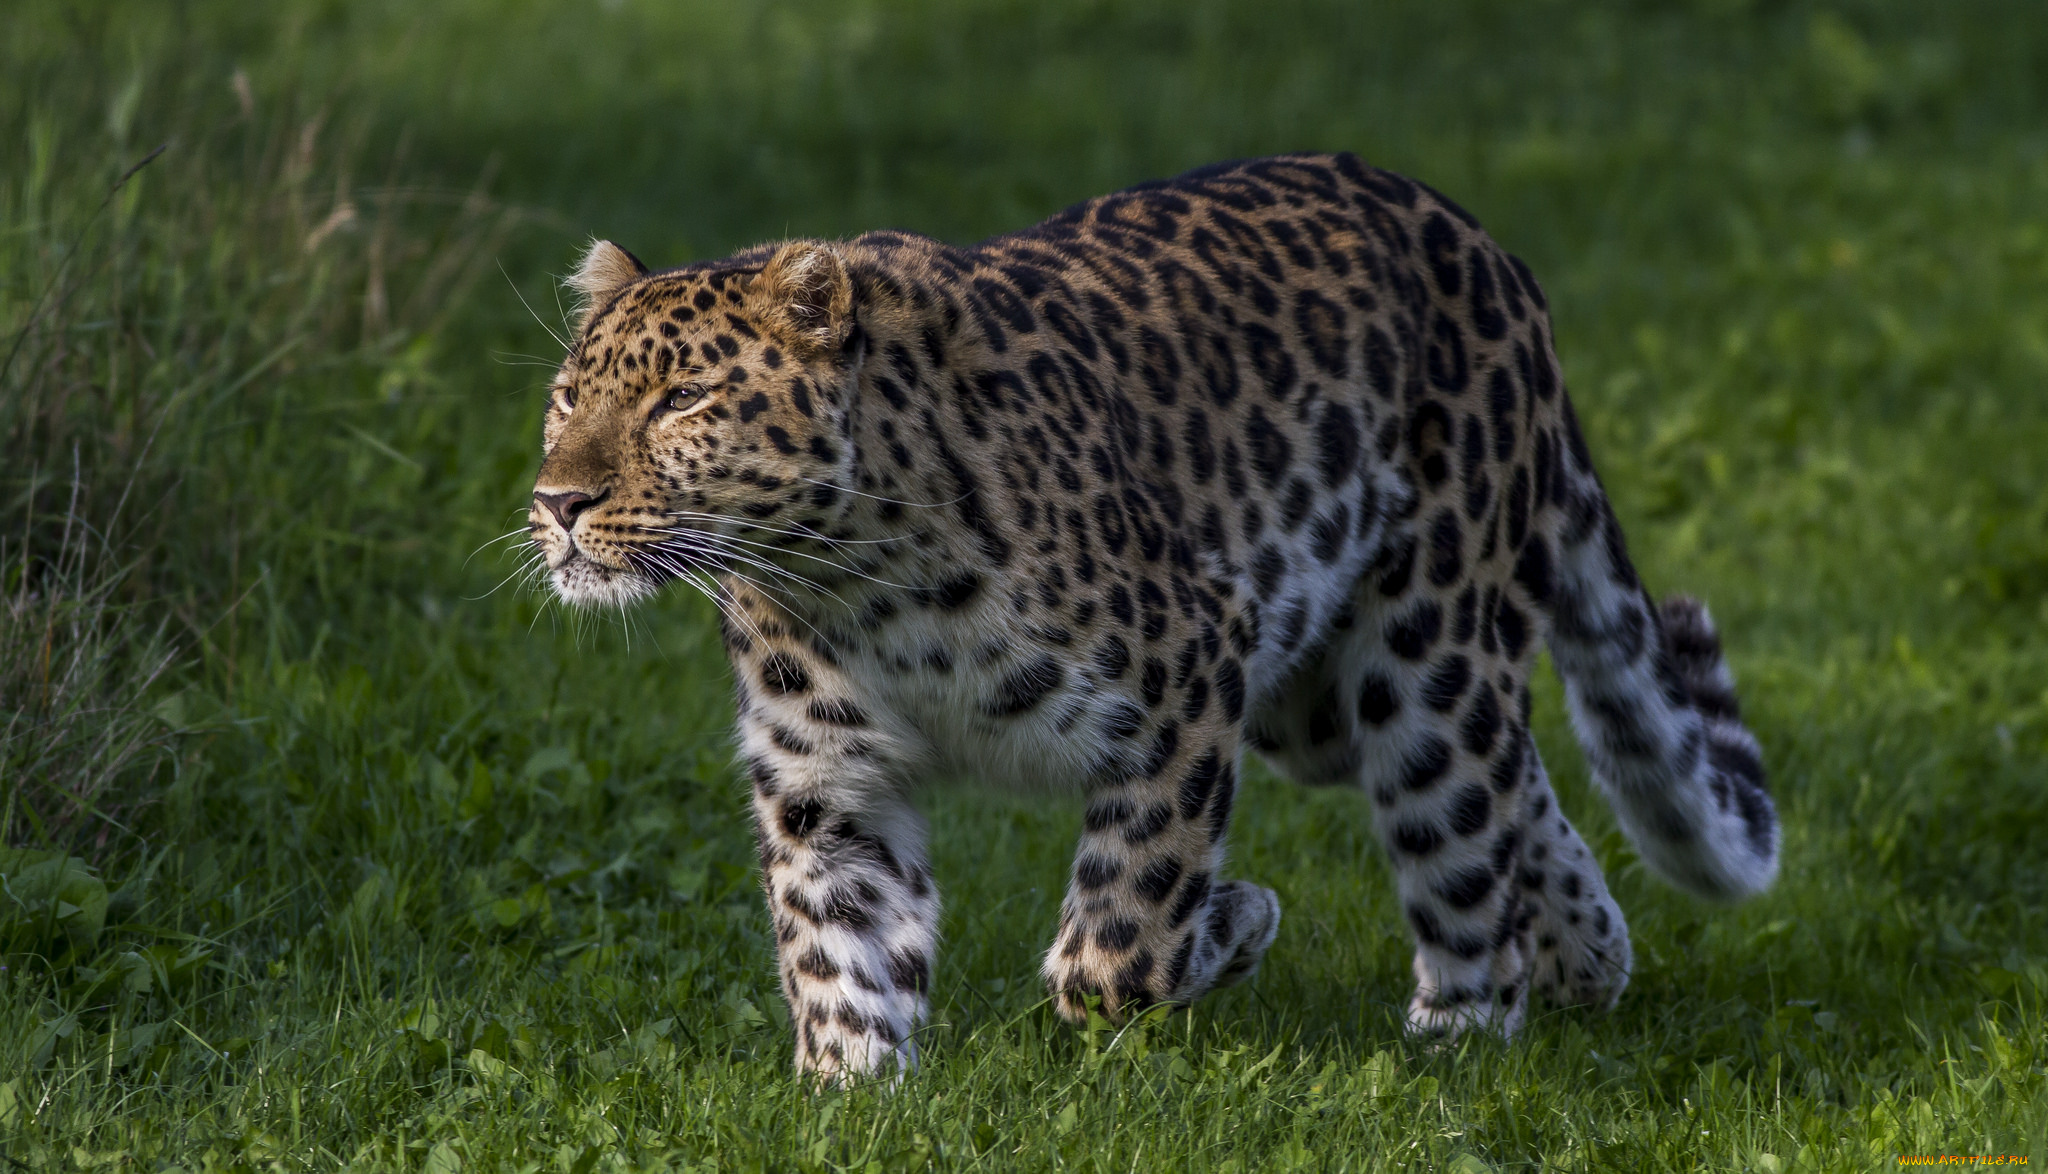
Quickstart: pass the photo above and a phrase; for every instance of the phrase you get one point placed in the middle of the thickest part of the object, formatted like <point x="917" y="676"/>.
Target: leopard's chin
<point x="584" y="583"/>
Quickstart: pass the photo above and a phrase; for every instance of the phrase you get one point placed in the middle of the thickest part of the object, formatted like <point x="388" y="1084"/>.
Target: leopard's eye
<point x="565" y="397"/>
<point x="687" y="398"/>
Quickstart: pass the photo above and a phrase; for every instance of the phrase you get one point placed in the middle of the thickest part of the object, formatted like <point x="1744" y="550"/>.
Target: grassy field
<point x="328" y="854"/>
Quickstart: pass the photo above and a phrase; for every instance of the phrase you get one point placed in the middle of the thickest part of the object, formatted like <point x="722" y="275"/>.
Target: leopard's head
<point x="700" y="420"/>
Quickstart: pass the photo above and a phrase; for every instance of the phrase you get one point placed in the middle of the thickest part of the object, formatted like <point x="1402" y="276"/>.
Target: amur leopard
<point x="1274" y="455"/>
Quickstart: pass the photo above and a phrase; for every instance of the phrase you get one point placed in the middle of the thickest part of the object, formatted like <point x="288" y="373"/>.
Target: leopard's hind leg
<point x="1577" y="937"/>
<point x="1429" y="714"/>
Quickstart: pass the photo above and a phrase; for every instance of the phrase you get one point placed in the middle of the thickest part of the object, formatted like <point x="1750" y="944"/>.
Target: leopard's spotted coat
<point x="1275" y="454"/>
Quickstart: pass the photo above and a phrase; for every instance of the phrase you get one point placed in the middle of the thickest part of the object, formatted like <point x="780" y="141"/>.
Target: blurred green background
<point x="321" y="851"/>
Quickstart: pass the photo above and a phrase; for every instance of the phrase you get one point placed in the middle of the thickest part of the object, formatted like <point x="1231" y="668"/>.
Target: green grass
<point x="409" y="874"/>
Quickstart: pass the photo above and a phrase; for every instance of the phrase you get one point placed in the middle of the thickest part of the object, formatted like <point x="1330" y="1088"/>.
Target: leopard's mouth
<point x="582" y="580"/>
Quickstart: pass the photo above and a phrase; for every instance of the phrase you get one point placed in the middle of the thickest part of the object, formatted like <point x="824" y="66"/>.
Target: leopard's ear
<point x="807" y="297"/>
<point x="604" y="270"/>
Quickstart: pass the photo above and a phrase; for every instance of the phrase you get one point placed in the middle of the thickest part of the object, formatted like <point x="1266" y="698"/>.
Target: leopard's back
<point x="1176" y="425"/>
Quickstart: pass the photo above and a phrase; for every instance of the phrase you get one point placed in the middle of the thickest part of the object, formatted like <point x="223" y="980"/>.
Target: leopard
<point x="1275" y="456"/>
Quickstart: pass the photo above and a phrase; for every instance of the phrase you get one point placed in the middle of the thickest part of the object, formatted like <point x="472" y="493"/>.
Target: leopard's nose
<point x="565" y="506"/>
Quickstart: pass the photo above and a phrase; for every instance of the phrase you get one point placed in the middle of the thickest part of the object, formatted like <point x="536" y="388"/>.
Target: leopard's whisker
<point x="530" y="568"/>
<point x="805" y="532"/>
<point x="522" y="573"/>
<point x="726" y="544"/>
<point x="728" y="606"/>
<point x="670" y="556"/>
<point x="700" y="542"/>
<point x="675" y="564"/>
<point x="817" y="588"/>
<point x="534" y="574"/>
<point x="856" y="571"/>
<point x="798" y="615"/>
<point x="771" y="547"/>
<point x="765" y="589"/>
<point x="919" y="505"/>
<point x="667" y="552"/>
<point x="515" y="359"/>
<point x="680" y="565"/>
<point x="523" y="530"/>
<point x="530" y="310"/>
<point x="774" y="547"/>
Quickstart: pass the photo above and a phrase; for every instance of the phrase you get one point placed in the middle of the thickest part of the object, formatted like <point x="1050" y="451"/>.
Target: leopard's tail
<point x="1654" y="705"/>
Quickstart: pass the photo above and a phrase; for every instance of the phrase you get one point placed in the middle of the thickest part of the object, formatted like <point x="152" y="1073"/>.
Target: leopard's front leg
<point x="1145" y="919"/>
<point x="842" y="859"/>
